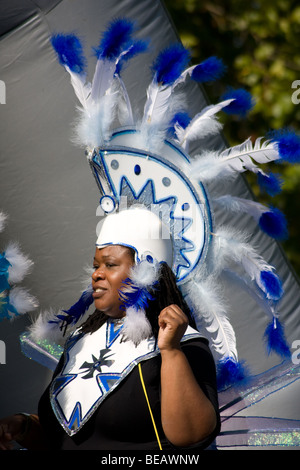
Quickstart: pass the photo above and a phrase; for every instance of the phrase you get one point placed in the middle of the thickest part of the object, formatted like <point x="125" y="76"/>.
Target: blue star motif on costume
<point x="112" y="332"/>
<point x="72" y="340"/>
<point x="106" y="381"/>
<point x="60" y="382"/>
<point x="76" y="417"/>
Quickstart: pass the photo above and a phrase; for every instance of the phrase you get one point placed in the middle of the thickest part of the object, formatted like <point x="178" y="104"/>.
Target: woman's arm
<point x="187" y="414"/>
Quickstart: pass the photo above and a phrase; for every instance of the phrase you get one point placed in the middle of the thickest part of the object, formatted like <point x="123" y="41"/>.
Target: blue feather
<point x="76" y="311"/>
<point x="135" y="297"/>
<point x="273" y="223"/>
<point x="209" y="70"/>
<point x="272" y="285"/>
<point x="4" y="275"/>
<point x="6" y="309"/>
<point x="137" y="47"/>
<point x="170" y="63"/>
<point x="230" y="373"/>
<point x="242" y="104"/>
<point x="115" y="39"/>
<point x="275" y="339"/>
<point x="80" y="307"/>
<point x="270" y="183"/>
<point x="69" y="51"/>
<point x="288" y="144"/>
<point x="182" y="118"/>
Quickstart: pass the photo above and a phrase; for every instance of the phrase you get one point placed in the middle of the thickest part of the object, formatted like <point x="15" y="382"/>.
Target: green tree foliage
<point x="258" y="41"/>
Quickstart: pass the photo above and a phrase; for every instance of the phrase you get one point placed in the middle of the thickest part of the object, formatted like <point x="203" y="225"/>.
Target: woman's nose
<point x="98" y="274"/>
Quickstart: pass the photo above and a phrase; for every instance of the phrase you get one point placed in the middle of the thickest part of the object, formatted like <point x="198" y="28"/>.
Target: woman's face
<point x="112" y="266"/>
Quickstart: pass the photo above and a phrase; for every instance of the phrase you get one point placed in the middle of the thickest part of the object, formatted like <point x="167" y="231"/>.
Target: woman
<point x="164" y="394"/>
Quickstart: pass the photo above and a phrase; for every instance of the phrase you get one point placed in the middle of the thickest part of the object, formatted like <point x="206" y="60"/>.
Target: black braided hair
<point x="166" y="293"/>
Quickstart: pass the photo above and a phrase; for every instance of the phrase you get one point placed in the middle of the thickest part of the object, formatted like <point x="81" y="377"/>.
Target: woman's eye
<point x="107" y="265"/>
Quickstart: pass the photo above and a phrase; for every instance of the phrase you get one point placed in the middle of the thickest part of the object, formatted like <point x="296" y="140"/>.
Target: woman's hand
<point x="10" y="428"/>
<point x="172" y="326"/>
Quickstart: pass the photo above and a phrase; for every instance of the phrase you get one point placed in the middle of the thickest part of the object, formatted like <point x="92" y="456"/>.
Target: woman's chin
<point x="112" y="313"/>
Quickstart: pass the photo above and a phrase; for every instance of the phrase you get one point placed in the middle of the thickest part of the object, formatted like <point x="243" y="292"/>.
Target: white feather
<point x="136" y="326"/>
<point x="3" y="218"/>
<point x="150" y="137"/>
<point x="237" y="204"/>
<point x="207" y="166"/>
<point x="209" y="308"/>
<point x="92" y="128"/>
<point x="103" y="78"/>
<point x="152" y="132"/>
<point x="87" y="278"/>
<point x="231" y="246"/>
<point x="20" y="263"/>
<point x="202" y="125"/>
<point x="22" y="301"/>
<point x="212" y="109"/>
<point x="161" y="105"/>
<point x="40" y="328"/>
<point x="99" y="102"/>
<point x="81" y="88"/>
<point x="183" y="76"/>
<point x="241" y="156"/>
<point x="145" y="274"/>
<point x="198" y="130"/>
<point x="234" y="160"/>
<point x="157" y="103"/>
<point x="125" y="110"/>
<point x="123" y="114"/>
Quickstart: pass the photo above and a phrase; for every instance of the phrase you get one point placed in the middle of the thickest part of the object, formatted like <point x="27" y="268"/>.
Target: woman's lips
<point x="98" y="292"/>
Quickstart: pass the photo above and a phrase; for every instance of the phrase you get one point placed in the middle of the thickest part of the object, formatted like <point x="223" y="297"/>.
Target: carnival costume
<point x="154" y="199"/>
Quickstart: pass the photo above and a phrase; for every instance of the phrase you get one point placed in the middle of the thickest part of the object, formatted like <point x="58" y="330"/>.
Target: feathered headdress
<point x="145" y="160"/>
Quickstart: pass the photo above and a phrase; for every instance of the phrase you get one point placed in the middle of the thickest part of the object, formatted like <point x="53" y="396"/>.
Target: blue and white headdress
<point x="144" y="161"/>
